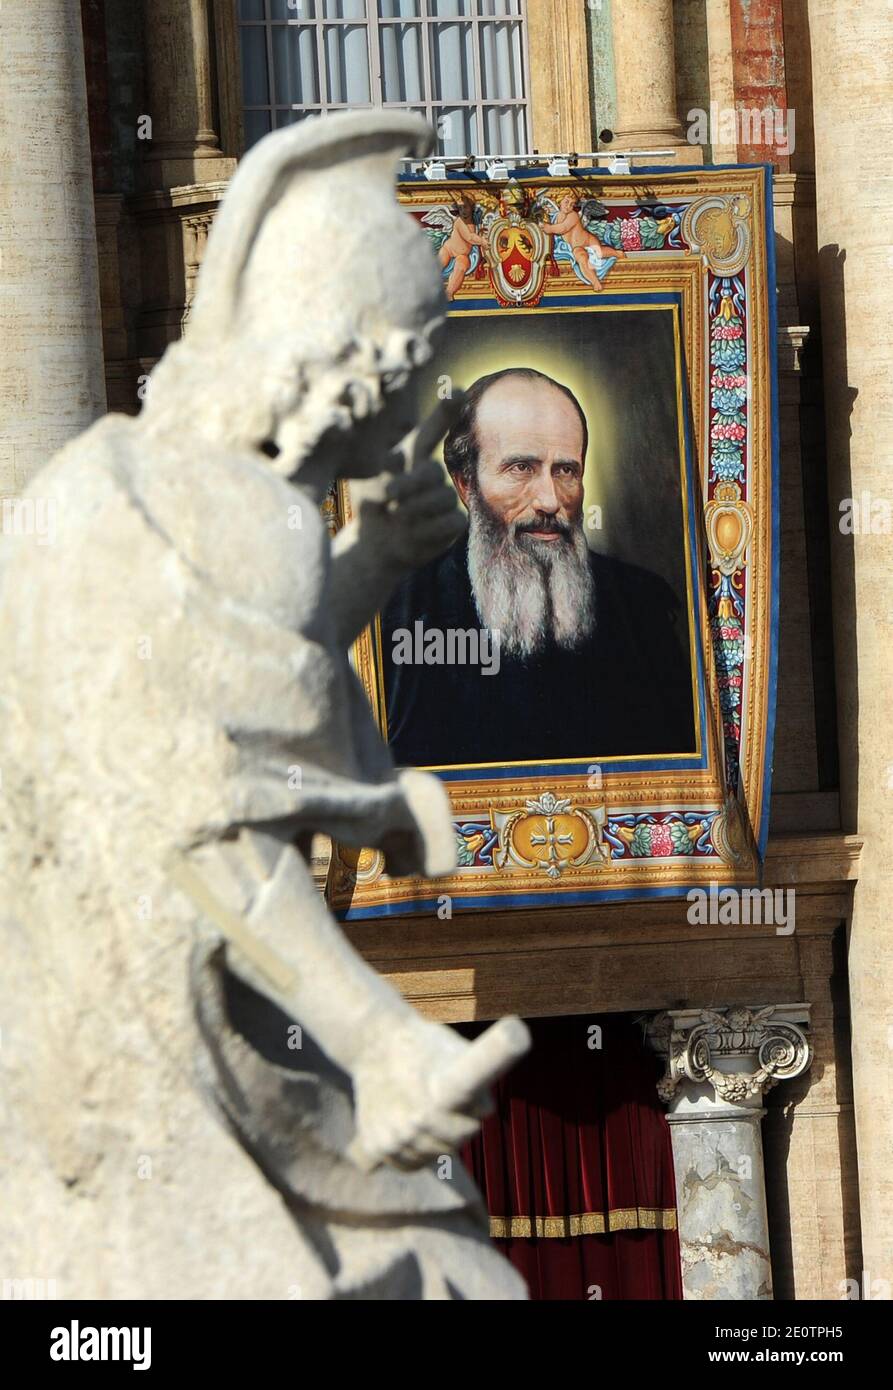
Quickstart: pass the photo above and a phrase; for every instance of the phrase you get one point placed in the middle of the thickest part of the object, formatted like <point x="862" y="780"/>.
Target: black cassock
<point x="626" y="690"/>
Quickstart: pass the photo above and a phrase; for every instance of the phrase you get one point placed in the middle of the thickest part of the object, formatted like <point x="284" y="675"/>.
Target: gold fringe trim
<point x="590" y="1223"/>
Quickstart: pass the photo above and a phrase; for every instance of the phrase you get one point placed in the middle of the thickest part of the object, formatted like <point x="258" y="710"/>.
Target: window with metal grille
<point x="462" y="64"/>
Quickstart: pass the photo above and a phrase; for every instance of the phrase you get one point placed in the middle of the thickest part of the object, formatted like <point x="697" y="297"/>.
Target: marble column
<point x="179" y="95"/>
<point x="51" y="367"/>
<point x="721" y="70"/>
<point x="559" y="77"/>
<point x="852" y="58"/>
<point x="718" y="1066"/>
<point x="645" y="69"/>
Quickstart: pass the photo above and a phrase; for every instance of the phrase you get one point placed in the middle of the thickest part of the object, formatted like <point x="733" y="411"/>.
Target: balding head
<point x="516" y="455"/>
<point x="519" y="403"/>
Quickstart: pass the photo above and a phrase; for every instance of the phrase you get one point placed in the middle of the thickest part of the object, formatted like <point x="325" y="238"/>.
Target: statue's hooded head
<point x="317" y="299"/>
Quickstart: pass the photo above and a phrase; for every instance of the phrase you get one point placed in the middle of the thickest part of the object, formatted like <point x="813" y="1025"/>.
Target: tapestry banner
<point x="591" y="670"/>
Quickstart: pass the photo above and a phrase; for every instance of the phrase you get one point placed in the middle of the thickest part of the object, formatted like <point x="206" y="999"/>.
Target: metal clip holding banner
<point x="558" y="165"/>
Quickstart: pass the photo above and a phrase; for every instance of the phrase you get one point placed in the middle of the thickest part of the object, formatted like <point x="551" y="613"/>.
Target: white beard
<point x="531" y="597"/>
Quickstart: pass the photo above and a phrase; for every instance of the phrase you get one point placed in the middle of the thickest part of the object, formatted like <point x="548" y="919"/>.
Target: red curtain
<point x="575" y="1164"/>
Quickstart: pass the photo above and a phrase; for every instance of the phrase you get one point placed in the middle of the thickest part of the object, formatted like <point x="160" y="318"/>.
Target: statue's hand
<point x="399" y="1118"/>
<point x="426" y="842"/>
<point x="421" y="516"/>
<point x="412" y="517"/>
<point x="401" y="520"/>
<point x="420" y="1089"/>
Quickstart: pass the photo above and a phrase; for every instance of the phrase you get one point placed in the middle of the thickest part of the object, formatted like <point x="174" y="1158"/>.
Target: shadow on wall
<point x="840" y="398"/>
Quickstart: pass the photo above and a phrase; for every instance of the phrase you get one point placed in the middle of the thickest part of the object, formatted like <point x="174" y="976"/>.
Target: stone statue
<point x="206" y="1093"/>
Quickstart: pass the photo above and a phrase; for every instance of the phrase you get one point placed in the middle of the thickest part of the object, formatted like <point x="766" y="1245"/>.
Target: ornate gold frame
<point x="718" y="262"/>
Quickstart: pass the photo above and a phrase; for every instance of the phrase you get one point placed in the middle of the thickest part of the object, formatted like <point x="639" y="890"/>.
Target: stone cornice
<point x="639" y="957"/>
<point x="183" y="197"/>
<point x="793" y="189"/>
<point x="791" y="342"/>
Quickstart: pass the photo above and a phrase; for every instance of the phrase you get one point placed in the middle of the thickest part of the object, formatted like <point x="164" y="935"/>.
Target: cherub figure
<point x="585" y="249"/>
<point x="460" y="247"/>
<point x="178" y="716"/>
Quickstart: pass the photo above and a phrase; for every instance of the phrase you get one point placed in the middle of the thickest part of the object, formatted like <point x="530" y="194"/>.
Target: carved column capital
<point x="719" y="1064"/>
<point x="740" y="1052"/>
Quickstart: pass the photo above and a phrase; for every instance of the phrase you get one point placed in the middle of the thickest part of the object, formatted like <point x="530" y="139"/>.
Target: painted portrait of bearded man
<point x="588" y="654"/>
